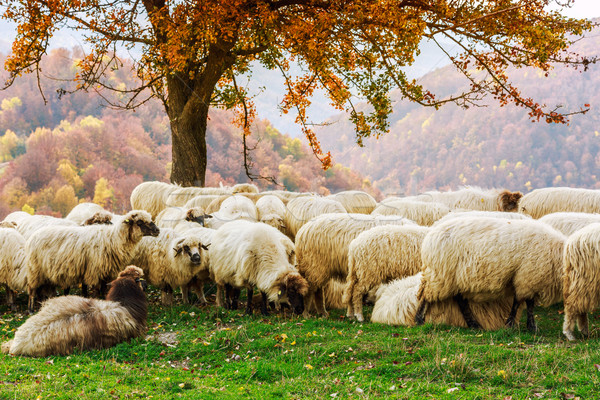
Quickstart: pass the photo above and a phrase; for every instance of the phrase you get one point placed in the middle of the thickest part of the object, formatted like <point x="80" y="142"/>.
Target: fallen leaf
<point x="359" y="390"/>
<point x="597" y="366"/>
<point x="308" y="367"/>
<point x="452" y="389"/>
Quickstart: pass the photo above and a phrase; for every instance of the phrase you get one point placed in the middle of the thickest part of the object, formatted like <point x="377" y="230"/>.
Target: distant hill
<point x="490" y="146"/>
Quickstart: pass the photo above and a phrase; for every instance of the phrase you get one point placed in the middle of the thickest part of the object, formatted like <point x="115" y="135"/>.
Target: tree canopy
<point x="194" y="55"/>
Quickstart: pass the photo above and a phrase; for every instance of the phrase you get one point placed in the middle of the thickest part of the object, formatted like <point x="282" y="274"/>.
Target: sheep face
<point x="274" y="220"/>
<point x="292" y="291"/>
<point x="190" y="248"/>
<point x="99" y="218"/>
<point x="140" y="224"/>
<point x="197" y="215"/>
<point x="134" y="273"/>
<point x="509" y="201"/>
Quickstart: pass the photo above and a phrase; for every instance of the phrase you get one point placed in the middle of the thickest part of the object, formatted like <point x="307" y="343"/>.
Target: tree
<point x="194" y="54"/>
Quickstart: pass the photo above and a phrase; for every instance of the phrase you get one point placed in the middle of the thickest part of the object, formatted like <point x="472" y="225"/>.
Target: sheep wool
<point x="66" y="323"/>
<point x="201" y="201"/>
<point x="13" y="267"/>
<point x="355" y="201"/>
<point x="581" y="278"/>
<point x="378" y="256"/>
<point x="82" y="212"/>
<point x="540" y="202"/>
<point x="151" y="196"/>
<point x="28" y="224"/>
<point x="397" y="305"/>
<point x="302" y="209"/>
<point x="569" y="222"/>
<point x="322" y="248"/>
<point x="486" y="214"/>
<point x="233" y="208"/>
<point x="484" y="259"/>
<point x="423" y="213"/>
<point x="271" y="211"/>
<point x="474" y="198"/>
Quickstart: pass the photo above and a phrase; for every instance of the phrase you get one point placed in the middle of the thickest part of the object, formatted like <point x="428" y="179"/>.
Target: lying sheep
<point x="151" y="196"/>
<point x="233" y="208"/>
<point x="423" y="213"/>
<point x="397" y="304"/>
<point x="271" y="211"/>
<point x="246" y="254"/>
<point x="171" y="260"/>
<point x="378" y="256"/>
<point x="544" y="201"/>
<point x="355" y="201"/>
<point x="181" y="219"/>
<point x="569" y="222"/>
<point x="322" y="248"/>
<point x="581" y="278"/>
<point x="66" y="323"/>
<point x="302" y="209"/>
<point x="473" y="198"/>
<point x="485" y="259"/>
<point x="65" y="256"/>
<point x="13" y="268"/>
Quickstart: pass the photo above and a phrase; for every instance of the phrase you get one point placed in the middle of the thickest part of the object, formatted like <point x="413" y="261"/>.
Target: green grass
<point x="210" y="353"/>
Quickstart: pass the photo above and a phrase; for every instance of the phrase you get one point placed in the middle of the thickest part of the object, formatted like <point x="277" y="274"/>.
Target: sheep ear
<point x="205" y="246"/>
<point x="177" y="250"/>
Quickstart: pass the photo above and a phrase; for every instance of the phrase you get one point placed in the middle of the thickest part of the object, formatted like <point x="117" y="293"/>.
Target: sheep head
<point x="274" y="220"/>
<point x="134" y="273"/>
<point x="8" y="224"/>
<point x="293" y="288"/>
<point x="191" y="247"/>
<point x="139" y="223"/>
<point x="509" y="201"/>
<point x="197" y="215"/>
<point x="99" y="218"/>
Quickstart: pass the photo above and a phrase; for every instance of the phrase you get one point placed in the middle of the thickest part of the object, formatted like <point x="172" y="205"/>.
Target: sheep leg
<point x="66" y="291"/>
<point x="531" y="326"/>
<point x="510" y="321"/>
<point x="31" y="302"/>
<point x="348" y="296"/>
<point x="249" y="294"/>
<point x="166" y="296"/>
<point x="420" y="314"/>
<point x="219" y="296"/>
<point x="185" y="294"/>
<point x="357" y="304"/>
<point x="263" y="304"/>
<point x="463" y="304"/>
<point x="320" y="302"/>
<point x="84" y="290"/>
<point x="10" y="299"/>
<point x="102" y="288"/>
<point x="583" y="324"/>
<point x="569" y="325"/>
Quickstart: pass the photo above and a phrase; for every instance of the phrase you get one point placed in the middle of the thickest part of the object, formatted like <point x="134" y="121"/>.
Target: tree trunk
<point x="189" y="148"/>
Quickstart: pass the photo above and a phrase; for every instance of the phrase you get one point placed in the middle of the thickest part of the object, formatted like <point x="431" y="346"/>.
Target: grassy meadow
<point x="193" y="352"/>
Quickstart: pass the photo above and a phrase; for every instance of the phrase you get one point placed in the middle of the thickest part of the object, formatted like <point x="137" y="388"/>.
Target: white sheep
<point x="474" y="198"/>
<point x="13" y="266"/>
<point x="569" y="222"/>
<point x="181" y="219"/>
<point x="244" y="188"/>
<point x="27" y="224"/>
<point x="83" y="212"/>
<point x="485" y="259"/>
<point x="486" y="214"/>
<point x="233" y="208"/>
<point x="581" y="278"/>
<point x="246" y="254"/>
<point x="397" y="304"/>
<point x="151" y="196"/>
<point x="171" y="260"/>
<point x="423" y="213"/>
<point x="181" y="195"/>
<point x="355" y="201"/>
<point x="322" y="248"/>
<point x="202" y="201"/>
<point x="302" y="209"/>
<point x="203" y="276"/>
<point x="286" y="196"/>
<point x="215" y="205"/>
<point x="65" y="256"/>
<point x="544" y="201"/>
<point x="378" y="256"/>
<point x="271" y="211"/>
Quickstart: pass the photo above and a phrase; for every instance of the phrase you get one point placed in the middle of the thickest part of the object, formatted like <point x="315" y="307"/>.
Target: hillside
<point x="489" y="146"/>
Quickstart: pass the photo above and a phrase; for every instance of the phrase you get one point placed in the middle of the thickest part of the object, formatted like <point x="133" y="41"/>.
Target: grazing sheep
<point x="246" y="254"/>
<point x="202" y="201"/>
<point x="484" y="259"/>
<point x="181" y="218"/>
<point x="171" y="260"/>
<point x="271" y="211"/>
<point x="151" y="196"/>
<point x="13" y="268"/>
<point x="66" y="323"/>
<point x="569" y="222"/>
<point x="473" y="198"/>
<point x="423" y="213"/>
<point x="27" y="224"/>
<point x="486" y="214"/>
<point x="322" y="248"/>
<point x="302" y="209"/>
<point x="378" y="256"/>
<point x="233" y="208"/>
<point x="65" y="256"/>
<point x="397" y="304"/>
<point x="556" y="199"/>
<point x="355" y="201"/>
<point x="581" y="278"/>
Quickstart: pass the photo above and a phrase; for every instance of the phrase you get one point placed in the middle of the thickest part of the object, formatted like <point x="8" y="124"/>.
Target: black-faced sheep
<point x="66" y="323"/>
<point x="61" y="256"/>
<point x="485" y="259"/>
<point x="246" y="254"/>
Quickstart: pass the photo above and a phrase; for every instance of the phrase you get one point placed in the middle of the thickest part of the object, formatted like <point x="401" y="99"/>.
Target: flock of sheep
<point x="470" y="257"/>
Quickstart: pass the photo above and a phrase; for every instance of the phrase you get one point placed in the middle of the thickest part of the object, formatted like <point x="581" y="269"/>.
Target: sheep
<point x="286" y="196"/>
<point x="377" y="256"/>
<point x="170" y="260"/>
<point x="233" y="208"/>
<point x="215" y="205"/>
<point x="423" y="213"/>
<point x="487" y="214"/>
<point x="64" y="256"/>
<point x="13" y="266"/>
<point x="396" y="304"/>
<point x="569" y="222"/>
<point x="355" y="201"/>
<point x="181" y="195"/>
<point x="151" y="196"/>
<point x="271" y="211"/>
<point x="202" y="201"/>
<point x="181" y="218"/>
<point x="322" y="248"/>
<point x="540" y="202"/>
<point x="203" y="276"/>
<point x="473" y="198"/>
<point x="66" y="323"/>
<point x="244" y="188"/>
<point x="484" y="259"/>
<point x="302" y="209"/>
<point x="246" y="254"/>
<point x="581" y="278"/>
<point x="89" y="214"/>
<point x="27" y="224"/>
